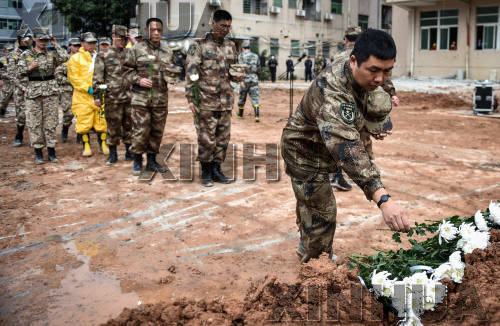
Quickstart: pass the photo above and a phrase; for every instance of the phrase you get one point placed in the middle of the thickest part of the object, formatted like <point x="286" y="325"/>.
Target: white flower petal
<point x="480" y="221"/>
<point x="494" y="212"/>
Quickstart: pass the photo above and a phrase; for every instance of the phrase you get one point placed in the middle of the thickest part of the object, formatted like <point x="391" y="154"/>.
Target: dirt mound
<point x="426" y="101"/>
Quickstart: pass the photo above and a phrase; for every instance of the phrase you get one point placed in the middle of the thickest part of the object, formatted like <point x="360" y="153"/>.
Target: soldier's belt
<point x="40" y="78"/>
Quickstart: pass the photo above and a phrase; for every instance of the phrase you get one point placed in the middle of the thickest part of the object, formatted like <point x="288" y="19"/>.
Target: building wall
<point x="402" y="20"/>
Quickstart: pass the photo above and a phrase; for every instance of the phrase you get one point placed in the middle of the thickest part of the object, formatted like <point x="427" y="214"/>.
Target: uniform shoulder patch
<point x="348" y="112"/>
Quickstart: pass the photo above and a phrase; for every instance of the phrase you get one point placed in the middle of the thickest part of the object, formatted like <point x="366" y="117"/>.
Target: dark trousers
<point x="291" y="74"/>
<point x="309" y="75"/>
<point x="273" y="74"/>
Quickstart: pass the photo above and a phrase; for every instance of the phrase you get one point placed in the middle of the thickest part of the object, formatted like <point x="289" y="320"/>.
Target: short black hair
<point x="153" y="19"/>
<point x="351" y="38"/>
<point x="222" y="14"/>
<point x="374" y="42"/>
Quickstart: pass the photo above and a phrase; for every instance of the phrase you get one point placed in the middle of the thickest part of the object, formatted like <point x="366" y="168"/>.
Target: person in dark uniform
<point x="272" y="64"/>
<point x="289" y="67"/>
<point x="308" y="64"/>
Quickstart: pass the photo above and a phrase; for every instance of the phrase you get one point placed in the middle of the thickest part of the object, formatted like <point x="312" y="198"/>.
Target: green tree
<point x="95" y="15"/>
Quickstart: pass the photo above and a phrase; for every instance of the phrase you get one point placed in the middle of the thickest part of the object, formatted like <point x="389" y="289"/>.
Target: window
<point x="275" y="46"/>
<point x="294" y="48"/>
<point x="278" y="3"/>
<point x="10" y="24"/>
<point x="336" y="7"/>
<point x="386" y="18"/>
<point x="257" y="7"/>
<point x="325" y="48"/>
<point x="292" y="4"/>
<point x="311" y="48"/>
<point x="312" y="9"/>
<point x="438" y="29"/>
<point x="363" y="22"/>
<point x="487" y="28"/>
<point x="15" y="4"/>
<point x="254" y="45"/>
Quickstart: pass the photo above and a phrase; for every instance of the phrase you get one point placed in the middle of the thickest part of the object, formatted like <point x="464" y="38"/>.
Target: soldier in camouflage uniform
<point x="324" y="133"/>
<point x="351" y="34"/>
<point x="319" y="64"/>
<point x="66" y="90"/>
<point x="104" y="44"/>
<point x="210" y="60"/>
<point x="250" y="84"/>
<point x="147" y="67"/>
<point x="39" y="66"/>
<point x="7" y="86"/>
<point x="108" y="81"/>
<point x="24" y="39"/>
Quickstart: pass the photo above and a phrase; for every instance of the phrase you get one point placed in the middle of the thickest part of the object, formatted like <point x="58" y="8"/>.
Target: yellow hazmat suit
<point x="88" y="115"/>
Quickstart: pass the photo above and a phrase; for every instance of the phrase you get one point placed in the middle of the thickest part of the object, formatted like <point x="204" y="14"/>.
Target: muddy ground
<point x="80" y="241"/>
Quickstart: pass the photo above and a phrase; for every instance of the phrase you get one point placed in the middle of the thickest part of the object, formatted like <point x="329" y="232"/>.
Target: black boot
<point x="217" y="175"/>
<point x="64" y="133"/>
<point x="339" y="182"/>
<point x="18" y="141"/>
<point x="152" y="165"/>
<point x="129" y="156"/>
<point x="2" y="112"/>
<point x="206" y="174"/>
<point x="99" y="142"/>
<point x="113" y="156"/>
<point x="38" y="156"/>
<point x="52" y="154"/>
<point x="79" y="139"/>
<point x="137" y="169"/>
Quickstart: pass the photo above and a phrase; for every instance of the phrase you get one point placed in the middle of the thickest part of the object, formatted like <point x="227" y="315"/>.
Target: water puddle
<point x="85" y="297"/>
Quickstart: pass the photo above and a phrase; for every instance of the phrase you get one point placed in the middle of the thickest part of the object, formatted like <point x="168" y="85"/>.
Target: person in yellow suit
<point x="88" y="115"/>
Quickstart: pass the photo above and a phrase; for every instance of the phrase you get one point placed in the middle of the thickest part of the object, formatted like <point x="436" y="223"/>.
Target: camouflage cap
<point x="9" y="46"/>
<point x="238" y="70"/>
<point x="134" y="31"/>
<point x="41" y="33"/>
<point x="353" y="31"/>
<point x="88" y="37"/>
<point x="24" y="31"/>
<point x="104" y="40"/>
<point x="119" y="30"/>
<point x="379" y="107"/>
<point x="74" y="41"/>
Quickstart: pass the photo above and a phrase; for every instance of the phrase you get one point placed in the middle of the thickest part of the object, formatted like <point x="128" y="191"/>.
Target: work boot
<point x="101" y="140"/>
<point x="152" y="165"/>
<point x="52" y="154"/>
<point x="338" y="181"/>
<point x="64" y="133"/>
<point x="18" y="141"/>
<point x="206" y="174"/>
<point x="86" y="145"/>
<point x="301" y="252"/>
<point x="239" y="114"/>
<point x="256" y="110"/>
<point x="113" y="156"/>
<point x="38" y="156"/>
<point x="129" y="156"/>
<point x="2" y="112"/>
<point x="217" y="175"/>
<point x="79" y="139"/>
<point x="137" y="168"/>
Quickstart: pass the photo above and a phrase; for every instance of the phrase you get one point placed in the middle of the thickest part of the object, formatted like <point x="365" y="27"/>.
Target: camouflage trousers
<point x="42" y="118"/>
<point x="66" y="101"/>
<point x="118" y="118"/>
<point x="252" y="89"/>
<point x="367" y="142"/>
<point x="214" y="131"/>
<point x="20" y="107"/>
<point x="148" y="126"/>
<point x="6" y="94"/>
<point x="316" y="214"/>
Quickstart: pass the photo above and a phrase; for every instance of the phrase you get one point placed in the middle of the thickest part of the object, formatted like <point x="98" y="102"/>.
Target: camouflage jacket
<point x="319" y="62"/>
<point x="210" y="60"/>
<point x="388" y="86"/>
<point x="62" y="78"/>
<point x="324" y="132"/>
<point x="109" y="70"/>
<point x="13" y="69"/>
<point x="144" y="60"/>
<point x="252" y="61"/>
<point x="41" y="80"/>
<point x="3" y="71"/>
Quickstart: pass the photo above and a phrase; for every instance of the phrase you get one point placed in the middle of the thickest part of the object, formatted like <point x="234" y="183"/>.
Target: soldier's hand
<point x="395" y="100"/>
<point x="193" y="108"/>
<point x="53" y="40"/>
<point x="146" y="83"/>
<point x="34" y="65"/>
<point x="382" y="135"/>
<point x="97" y="102"/>
<point x="394" y="216"/>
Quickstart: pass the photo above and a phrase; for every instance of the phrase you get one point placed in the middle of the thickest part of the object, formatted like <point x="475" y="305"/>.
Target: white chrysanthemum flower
<point x="151" y="57"/>
<point x="480" y="221"/>
<point x="430" y="295"/>
<point x="447" y="231"/>
<point x="381" y="284"/>
<point x="457" y="274"/>
<point x="103" y="86"/>
<point x="456" y="260"/>
<point x="443" y="271"/>
<point x="494" y="212"/>
<point x="194" y="77"/>
<point x="467" y="230"/>
<point x="419" y="278"/>
<point x="479" y="240"/>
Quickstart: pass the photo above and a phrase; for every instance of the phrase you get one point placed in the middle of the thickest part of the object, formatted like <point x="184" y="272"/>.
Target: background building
<point x="448" y="37"/>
